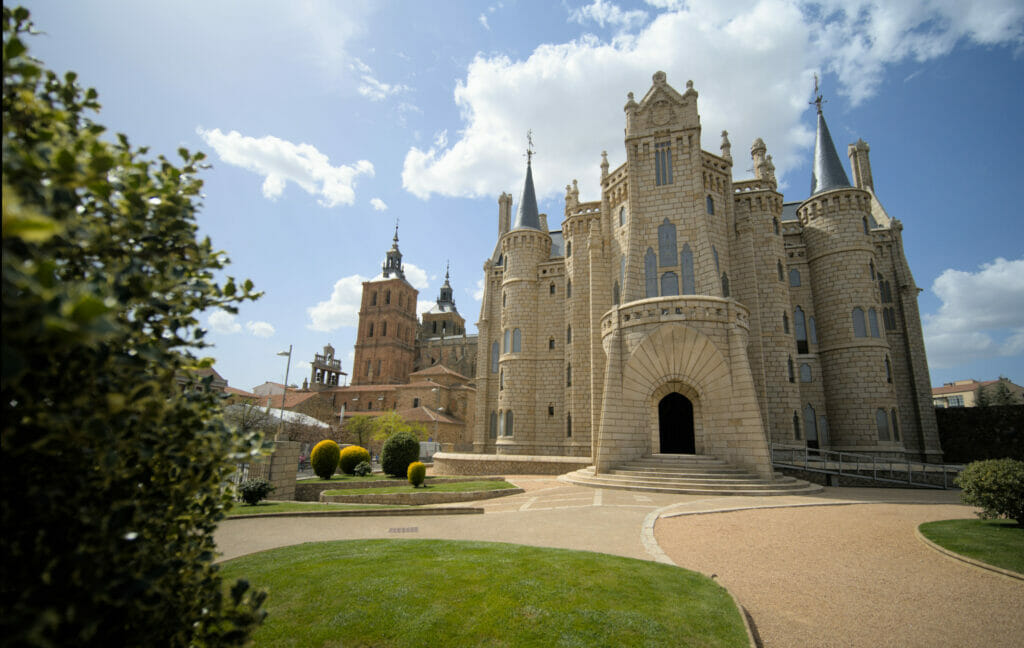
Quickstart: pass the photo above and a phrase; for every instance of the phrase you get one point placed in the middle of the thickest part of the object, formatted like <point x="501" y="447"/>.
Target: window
<point x="800" y="327"/>
<point x="615" y="293"/>
<point x="568" y="334"/>
<point x="373" y="299"/>
<point x="810" y="423"/>
<point x="494" y="425"/>
<point x="889" y="317"/>
<point x="888" y="370"/>
<point x="871" y="269"/>
<point x="956" y="401"/>
<point x="864" y="221"/>
<point x="568" y="426"/>
<point x="551" y="289"/>
<point x="501" y="380"/>
<point x="501" y="259"/>
<point x="434" y="323"/>
<point x="650" y="274"/>
<point x="387" y="297"/>
<point x="504" y="296"/>
<point x="812" y="329"/>
<point x="508" y="423"/>
<point x="789" y="369"/>
<point x="568" y="248"/>
<point x="378" y="367"/>
<point x="775" y="225"/>
<point x="568" y="375"/>
<point x="709" y="205"/>
<point x="823" y="429"/>
<point x="873" y="321"/>
<point x="778" y="268"/>
<point x="501" y="423"/>
<point x="415" y="402"/>
<point x="669" y="284"/>
<point x="494" y="357"/>
<point x="859" y="328"/>
<point x="508" y="341"/>
<point x="882" y="421"/>
<point x="568" y="288"/>
<point x="371" y="330"/>
<point x="384" y="329"/>
<point x="805" y="372"/>
<point x="794" y="278"/>
<point x="517" y="341"/>
<point x="785" y="324"/>
<point x="551" y="410"/>
<point x="895" y="426"/>
<point x="367" y="367"/>
<point x="662" y="164"/>
<point x="796" y="426"/>
<point x="689" y="283"/>
<point x="622" y="216"/>
<point x="667" y="244"/>
<point x="725" y="285"/>
<point x="551" y="343"/>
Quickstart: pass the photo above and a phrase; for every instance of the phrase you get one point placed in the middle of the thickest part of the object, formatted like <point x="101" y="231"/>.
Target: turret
<point x="861" y="165"/>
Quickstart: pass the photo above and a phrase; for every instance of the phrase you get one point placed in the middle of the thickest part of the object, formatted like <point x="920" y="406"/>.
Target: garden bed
<point x="309" y="490"/>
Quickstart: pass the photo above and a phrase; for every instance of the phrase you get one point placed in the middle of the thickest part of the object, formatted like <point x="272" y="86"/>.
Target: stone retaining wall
<point x="417" y="498"/>
<point x="311" y="492"/>
<point x="457" y="463"/>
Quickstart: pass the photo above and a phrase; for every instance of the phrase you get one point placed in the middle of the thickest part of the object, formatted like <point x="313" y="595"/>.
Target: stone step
<point x="752" y="484"/>
<point x="803" y="488"/>
<point x="671" y="470"/>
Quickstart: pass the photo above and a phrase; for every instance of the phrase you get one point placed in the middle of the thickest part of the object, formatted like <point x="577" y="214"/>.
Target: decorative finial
<point x="447" y="263"/>
<point x="529" y="146"/>
<point x="817" y="95"/>
<point x="396" y="232"/>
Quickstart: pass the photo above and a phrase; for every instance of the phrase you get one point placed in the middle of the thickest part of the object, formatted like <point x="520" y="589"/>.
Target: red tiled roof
<point x="291" y="400"/>
<point x="362" y="388"/>
<point x="239" y="392"/>
<point x="435" y="370"/>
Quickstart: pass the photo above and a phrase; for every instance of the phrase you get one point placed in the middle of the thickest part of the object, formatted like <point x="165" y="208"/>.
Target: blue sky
<point x="327" y="121"/>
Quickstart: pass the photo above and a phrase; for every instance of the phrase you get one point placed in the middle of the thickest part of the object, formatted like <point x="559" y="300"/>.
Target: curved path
<point x="842" y="568"/>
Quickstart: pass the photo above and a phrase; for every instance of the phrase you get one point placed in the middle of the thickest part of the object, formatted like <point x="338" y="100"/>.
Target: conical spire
<point x="527" y="217"/>
<point x="393" y="259"/>
<point x="828" y="172"/>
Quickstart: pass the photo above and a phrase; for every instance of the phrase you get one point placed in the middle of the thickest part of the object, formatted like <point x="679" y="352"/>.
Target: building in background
<point x="964" y="393"/>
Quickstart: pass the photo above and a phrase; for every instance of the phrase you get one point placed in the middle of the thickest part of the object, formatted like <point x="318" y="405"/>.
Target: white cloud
<point x="752" y="62"/>
<point x="483" y="21"/>
<point x="341" y="308"/>
<point x="603" y="13"/>
<point x="280" y="161"/>
<point x="416" y="276"/>
<point x="977" y="309"/>
<point x="478" y="294"/>
<point x="375" y="90"/>
<point x="223" y="322"/>
<point x="378" y="204"/>
<point x="423" y="305"/>
<point x="260" y="329"/>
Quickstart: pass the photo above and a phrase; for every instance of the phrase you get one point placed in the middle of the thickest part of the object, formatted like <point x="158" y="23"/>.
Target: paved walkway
<point x="852" y="574"/>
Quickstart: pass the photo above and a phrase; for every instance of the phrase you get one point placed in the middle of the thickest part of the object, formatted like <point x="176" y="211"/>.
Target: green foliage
<point x="324" y="458"/>
<point x="996" y="486"/>
<point x="417" y="473"/>
<point x="360" y="427"/>
<point x="995" y="395"/>
<point x="114" y="477"/>
<point x="351" y="457"/>
<point x="391" y="423"/>
<point x="254" y="490"/>
<point x="400" y="450"/>
<point x="363" y="469"/>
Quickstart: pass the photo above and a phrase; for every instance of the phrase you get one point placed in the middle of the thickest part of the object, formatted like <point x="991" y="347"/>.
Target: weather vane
<point x="529" y="146"/>
<point x="817" y="95"/>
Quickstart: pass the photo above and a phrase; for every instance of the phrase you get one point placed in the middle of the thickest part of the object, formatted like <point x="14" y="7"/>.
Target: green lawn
<point x="444" y="593"/>
<point x="291" y="507"/>
<point x="339" y="477"/>
<point x="996" y="542"/>
<point x="454" y="487"/>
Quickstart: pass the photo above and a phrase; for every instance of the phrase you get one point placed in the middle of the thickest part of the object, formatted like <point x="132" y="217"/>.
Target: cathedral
<point x="686" y="312"/>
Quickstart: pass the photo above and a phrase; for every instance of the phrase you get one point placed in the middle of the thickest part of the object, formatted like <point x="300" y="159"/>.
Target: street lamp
<point x="437" y="408"/>
<point x="287" y="368"/>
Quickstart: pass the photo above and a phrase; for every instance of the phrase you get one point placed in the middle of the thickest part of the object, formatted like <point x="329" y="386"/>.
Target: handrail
<point x="851" y="464"/>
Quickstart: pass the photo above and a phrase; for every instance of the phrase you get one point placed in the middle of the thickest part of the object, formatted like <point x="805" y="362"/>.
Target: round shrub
<point x="363" y="469"/>
<point x="417" y="473"/>
<point x="254" y="490"/>
<point x="324" y="458"/>
<point x="351" y="457"/>
<point x="400" y="450"/>
<point x="996" y="486"/>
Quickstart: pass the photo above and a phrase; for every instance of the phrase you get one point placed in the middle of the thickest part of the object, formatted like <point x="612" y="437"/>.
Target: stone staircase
<point x="688" y="475"/>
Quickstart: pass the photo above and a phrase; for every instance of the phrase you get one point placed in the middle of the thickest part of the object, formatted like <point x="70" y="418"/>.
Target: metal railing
<point x="861" y="466"/>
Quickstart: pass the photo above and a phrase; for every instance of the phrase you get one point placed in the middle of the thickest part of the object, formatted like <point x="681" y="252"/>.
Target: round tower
<point x="836" y="222"/>
<point x="523" y="248"/>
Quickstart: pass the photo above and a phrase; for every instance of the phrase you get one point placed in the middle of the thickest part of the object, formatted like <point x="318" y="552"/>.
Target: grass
<point x="444" y="593"/>
<point x="455" y="487"/>
<point x="340" y="477"/>
<point x="292" y="507"/>
<point x="996" y="542"/>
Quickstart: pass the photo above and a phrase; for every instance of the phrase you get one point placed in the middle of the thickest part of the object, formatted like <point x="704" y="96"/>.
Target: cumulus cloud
<point x="281" y="161"/>
<point x="571" y="94"/>
<point x="478" y="294"/>
<point x="423" y="305"/>
<point x="341" y="308"/>
<point x="981" y="316"/>
<point x="223" y="322"/>
<point x="378" y="204"/>
<point x="608" y="13"/>
<point x="416" y="276"/>
<point x="260" y="329"/>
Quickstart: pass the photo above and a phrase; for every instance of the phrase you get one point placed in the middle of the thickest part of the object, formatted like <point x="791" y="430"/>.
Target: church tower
<point x="385" y="341"/>
<point x="443" y="319"/>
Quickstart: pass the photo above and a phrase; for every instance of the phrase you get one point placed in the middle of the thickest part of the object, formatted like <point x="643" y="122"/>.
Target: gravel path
<point x="853" y="575"/>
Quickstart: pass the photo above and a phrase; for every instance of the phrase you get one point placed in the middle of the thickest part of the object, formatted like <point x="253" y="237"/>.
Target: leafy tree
<point x="360" y="427"/>
<point x="981" y="397"/>
<point x="386" y="425"/>
<point x="1001" y="394"/>
<point x="113" y="477"/>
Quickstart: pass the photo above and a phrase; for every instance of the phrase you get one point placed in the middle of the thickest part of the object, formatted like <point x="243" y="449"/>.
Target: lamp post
<point x="287" y="368"/>
<point x="437" y="408"/>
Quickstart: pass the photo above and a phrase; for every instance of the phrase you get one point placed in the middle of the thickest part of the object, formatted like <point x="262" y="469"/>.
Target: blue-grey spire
<point x="527" y="217"/>
<point x="828" y="172"/>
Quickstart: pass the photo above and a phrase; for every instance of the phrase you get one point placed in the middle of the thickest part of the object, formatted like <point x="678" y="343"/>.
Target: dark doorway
<point x="675" y="424"/>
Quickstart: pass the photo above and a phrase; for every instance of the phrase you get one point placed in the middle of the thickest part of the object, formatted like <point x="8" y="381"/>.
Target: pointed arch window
<point x="508" y="341"/>
<point x="714" y="253"/>
<point x="810" y="423"/>
<point x="859" y="327"/>
<point x="812" y="328"/>
<point x="494" y="357"/>
<point x="725" y="285"/>
<point x="785" y="324"/>
<point x="882" y="422"/>
<point x="805" y="373"/>
<point x="709" y="205"/>
<point x="864" y="222"/>
<point x="501" y="380"/>
<point x="669" y="284"/>
<point x="517" y="341"/>
<point x="551" y="343"/>
<point x="501" y="423"/>
<point x="650" y="274"/>
<point x="662" y="164"/>
<point x="568" y="426"/>
<point x="794" y="278"/>
<point x="622" y="216"/>
<point x="873" y="322"/>
<point x="778" y="268"/>
<point x="775" y="225"/>
<point x="888" y="370"/>
<point x="871" y="269"/>
<point x="789" y="369"/>
<point x="615" y="293"/>
<point x="796" y="426"/>
<point x="667" y="244"/>
<point x="508" y="423"/>
<point x="895" y="426"/>
<point x="568" y="375"/>
<point x="800" y="328"/>
<point x="689" y="284"/>
<point x="551" y="289"/>
<point x="568" y="248"/>
<point x="493" y="433"/>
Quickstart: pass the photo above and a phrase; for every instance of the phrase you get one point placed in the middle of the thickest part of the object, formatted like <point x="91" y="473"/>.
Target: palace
<point x="687" y="312"/>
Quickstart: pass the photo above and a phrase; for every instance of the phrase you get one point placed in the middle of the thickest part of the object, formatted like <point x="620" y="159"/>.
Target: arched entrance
<point x="675" y="424"/>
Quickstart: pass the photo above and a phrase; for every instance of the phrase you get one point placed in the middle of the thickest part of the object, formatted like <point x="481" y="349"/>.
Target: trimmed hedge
<point x="973" y="433"/>
<point x="400" y="450"/>
<point x="351" y="457"/>
<point x="325" y="458"/>
<point x="254" y="490"/>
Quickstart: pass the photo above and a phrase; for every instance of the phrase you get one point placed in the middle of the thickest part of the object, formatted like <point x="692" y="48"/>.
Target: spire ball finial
<point x="529" y="146"/>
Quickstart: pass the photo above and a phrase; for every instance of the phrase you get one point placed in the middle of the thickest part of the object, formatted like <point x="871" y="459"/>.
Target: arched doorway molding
<point x="677" y="385"/>
<point x="675" y="425"/>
